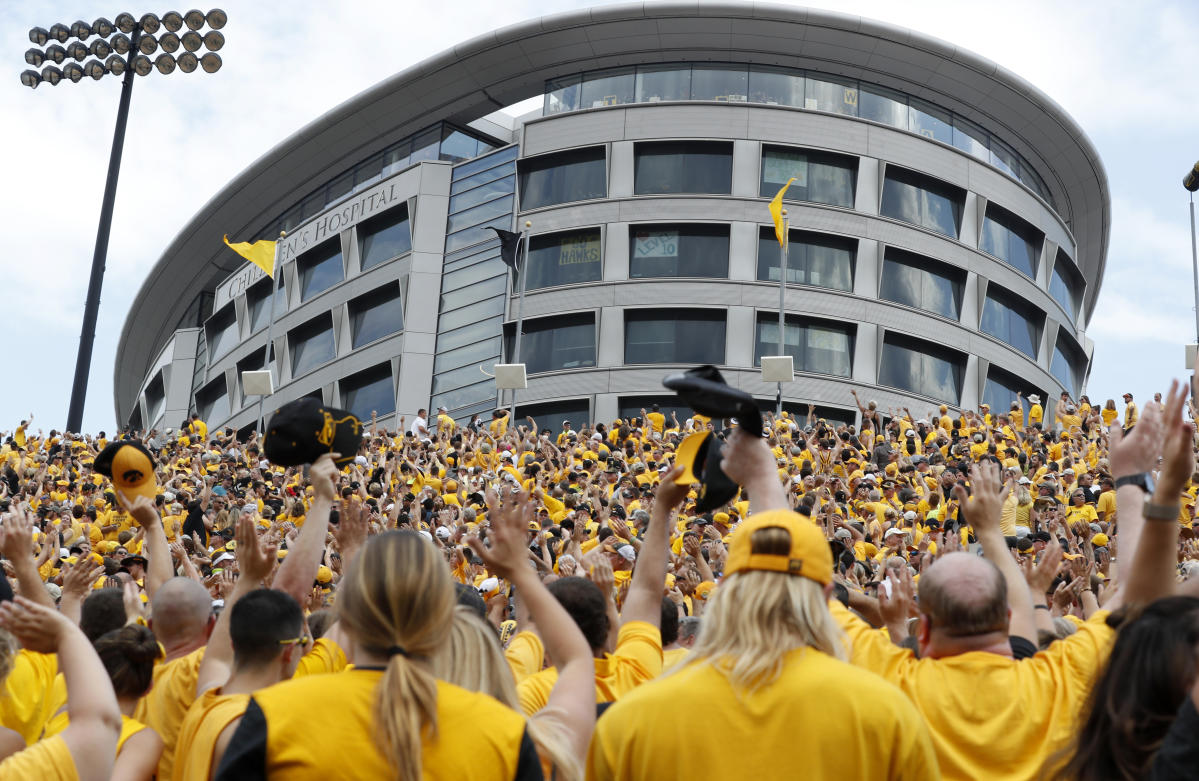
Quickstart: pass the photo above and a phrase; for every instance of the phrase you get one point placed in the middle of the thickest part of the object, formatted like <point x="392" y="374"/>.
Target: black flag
<point x="508" y="242"/>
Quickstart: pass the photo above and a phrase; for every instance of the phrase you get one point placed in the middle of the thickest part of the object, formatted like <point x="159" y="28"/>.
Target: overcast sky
<point x="1127" y="78"/>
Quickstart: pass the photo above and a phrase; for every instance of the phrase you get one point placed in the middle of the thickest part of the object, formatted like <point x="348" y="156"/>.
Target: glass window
<point x="1011" y="239"/>
<point x="487" y="269"/>
<point x="341" y="185"/>
<point x="477" y="234"/>
<point x="397" y="157"/>
<point x="222" y="332"/>
<point x="691" y="336"/>
<point x="472" y="394"/>
<point x="827" y="93"/>
<point x="369" y="391"/>
<point x="921" y="282"/>
<point x="664" y="168"/>
<point x="368" y="170"/>
<point x="457" y="146"/>
<point x="549" y="416"/>
<point x="485" y="212"/>
<point x="577" y="175"/>
<point x="921" y="200"/>
<point x="1002" y="389"/>
<point x="470" y="333"/>
<point x="775" y="86"/>
<point x="320" y="269"/>
<point x="816" y="346"/>
<point x="663" y="82"/>
<point x="607" y="88"/>
<point x="812" y="259"/>
<point x="879" y="104"/>
<point x="491" y="162"/>
<point x="135" y="419"/>
<point x="562" y="94"/>
<point x="482" y="194"/>
<point x="491" y="288"/>
<point x="258" y="301"/>
<point x="280" y="296"/>
<point x="471" y="314"/>
<point x="375" y="315"/>
<point x="970" y="138"/>
<point x="1064" y="284"/>
<point x="1012" y="320"/>
<point x="564" y="259"/>
<point x="385" y="236"/>
<point x="1004" y="158"/>
<point x="720" y="82"/>
<point x="426" y="145"/>
<point x="487" y="350"/>
<point x="311" y="345"/>
<point x="212" y="402"/>
<point x="930" y="121"/>
<point x="155" y="395"/>
<point x="819" y="177"/>
<point x="921" y="367"/>
<point x="678" y="251"/>
<point x="552" y="343"/>
<point x="1067" y="365"/>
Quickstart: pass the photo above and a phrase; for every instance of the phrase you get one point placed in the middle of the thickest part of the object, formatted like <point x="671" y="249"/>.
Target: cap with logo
<point x="808" y="557"/>
<point x="302" y="431"/>
<point x="130" y="466"/>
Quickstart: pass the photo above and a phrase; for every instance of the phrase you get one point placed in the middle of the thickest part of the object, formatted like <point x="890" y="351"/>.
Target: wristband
<point x="1161" y="512"/>
<point x="1040" y="607"/>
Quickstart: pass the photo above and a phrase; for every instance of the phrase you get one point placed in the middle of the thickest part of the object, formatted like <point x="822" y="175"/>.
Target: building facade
<point x="948" y="226"/>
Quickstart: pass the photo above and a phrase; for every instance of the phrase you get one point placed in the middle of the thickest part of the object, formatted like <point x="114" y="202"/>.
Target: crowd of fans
<point x="985" y="594"/>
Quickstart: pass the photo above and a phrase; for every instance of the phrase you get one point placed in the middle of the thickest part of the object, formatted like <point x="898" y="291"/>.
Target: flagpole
<point x="522" y="272"/>
<point x="270" y="329"/>
<point x="782" y="302"/>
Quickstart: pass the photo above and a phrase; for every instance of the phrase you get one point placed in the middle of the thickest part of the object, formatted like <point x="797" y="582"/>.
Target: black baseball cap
<point x="302" y="431"/>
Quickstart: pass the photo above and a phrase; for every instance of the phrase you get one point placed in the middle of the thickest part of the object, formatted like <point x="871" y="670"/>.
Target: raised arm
<point x="1154" y="563"/>
<point x="298" y="570"/>
<point x="254" y="561"/>
<point x="573" y="695"/>
<point x="16" y="543"/>
<point x="95" y="718"/>
<point x="644" y="600"/>
<point x="982" y="510"/>
<point x="159" y="570"/>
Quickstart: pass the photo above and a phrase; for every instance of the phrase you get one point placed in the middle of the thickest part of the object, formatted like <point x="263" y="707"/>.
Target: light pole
<point x="121" y="47"/>
<point x="1191" y="183"/>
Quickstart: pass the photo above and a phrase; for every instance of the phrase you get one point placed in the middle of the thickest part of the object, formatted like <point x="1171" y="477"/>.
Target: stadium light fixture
<point x="121" y="48"/>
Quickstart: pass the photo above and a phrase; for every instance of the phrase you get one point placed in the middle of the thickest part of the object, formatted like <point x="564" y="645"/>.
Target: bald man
<point x="182" y="618"/>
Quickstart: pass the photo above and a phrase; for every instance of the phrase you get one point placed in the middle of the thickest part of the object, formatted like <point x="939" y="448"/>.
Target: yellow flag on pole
<point x="776" y="211"/>
<point x="260" y="253"/>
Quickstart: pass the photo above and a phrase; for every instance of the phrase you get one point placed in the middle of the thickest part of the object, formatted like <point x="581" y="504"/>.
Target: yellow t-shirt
<point x="1109" y="415"/>
<point x="525" y="655"/>
<point x="657" y="421"/>
<point x="163" y="709"/>
<point x="821" y="719"/>
<point x="48" y="760"/>
<point x="637" y="659"/>
<point x="28" y="701"/>
<point x="325" y="656"/>
<point x="202" y="726"/>
<point x="990" y="716"/>
<point x="1106" y="504"/>
<point x="477" y="737"/>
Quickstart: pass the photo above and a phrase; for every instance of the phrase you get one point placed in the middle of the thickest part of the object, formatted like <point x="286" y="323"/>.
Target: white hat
<point x="426" y="535"/>
<point x="223" y="557"/>
<point x="442" y="409"/>
<point x="1034" y="398"/>
<point x="1024" y="481"/>
<point x="443" y="532"/>
<point x="910" y="515"/>
<point x="628" y="552"/>
<point x="909" y="433"/>
<point x="892" y="531"/>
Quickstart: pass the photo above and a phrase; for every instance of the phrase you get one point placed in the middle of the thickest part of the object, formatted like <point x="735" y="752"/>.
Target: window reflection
<point x="658" y="83"/>
<point x="1002" y="388"/>
<point x="564" y="259"/>
<point x="1011" y="239"/>
<point x="692" y="336"/>
<point x="577" y="175"/>
<point x="678" y="251"/>
<point x="827" y="94"/>
<point x="812" y="259"/>
<point x="311" y="345"/>
<point x="820" y="177"/>
<point x="385" y="237"/>
<point x="726" y="83"/>
<point x="776" y="86"/>
<point x="921" y="282"/>
<point x="879" y="104"/>
<point x="376" y="315"/>
<point x="1011" y="320"/>
<point x="816" y="346"/>
<point x="1065" y="284"/>
<point x="320" y="269"/>
<point x="370" y="391"/>
<point x="662" y="168"/>
<point x="923" y="201"/>
<point x="553" y="343"/>
<point x="610" y="88"/>
<point x="921" y="367"/>
<point x="1066" y="365"/>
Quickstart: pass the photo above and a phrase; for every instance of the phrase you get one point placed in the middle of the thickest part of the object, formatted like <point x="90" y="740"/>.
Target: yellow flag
<point x="776" y="211"/>
<point x="260" y="253"/>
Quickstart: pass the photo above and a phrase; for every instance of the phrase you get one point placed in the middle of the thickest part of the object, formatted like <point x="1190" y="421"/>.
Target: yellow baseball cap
<point x="809" y="556"/>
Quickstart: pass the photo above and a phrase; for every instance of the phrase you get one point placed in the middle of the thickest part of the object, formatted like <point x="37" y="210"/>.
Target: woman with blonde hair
<point x="387" y="716"/>
<point x="770" y="661"/>
<point x="473" y="660"/>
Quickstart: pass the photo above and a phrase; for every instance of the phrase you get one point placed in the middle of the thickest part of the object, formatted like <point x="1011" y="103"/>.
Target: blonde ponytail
<point x="396" y="600"/>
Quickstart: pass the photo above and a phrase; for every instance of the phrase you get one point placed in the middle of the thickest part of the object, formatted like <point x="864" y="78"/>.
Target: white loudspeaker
<point x="256" y="383"/>
<point x="777" y="368"/>
<point x="510" y="376"/>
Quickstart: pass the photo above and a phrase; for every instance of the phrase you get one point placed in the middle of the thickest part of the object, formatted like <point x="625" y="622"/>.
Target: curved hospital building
<point x="948" y="229"/>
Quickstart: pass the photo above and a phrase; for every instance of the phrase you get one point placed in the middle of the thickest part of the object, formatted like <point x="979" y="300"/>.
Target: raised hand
<point x="16" y="534"/>
<point x="985" y="504"/>
<point x="37" y="627"/>
<point x="508" y="515"/>
<point x="255" y="560"/>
